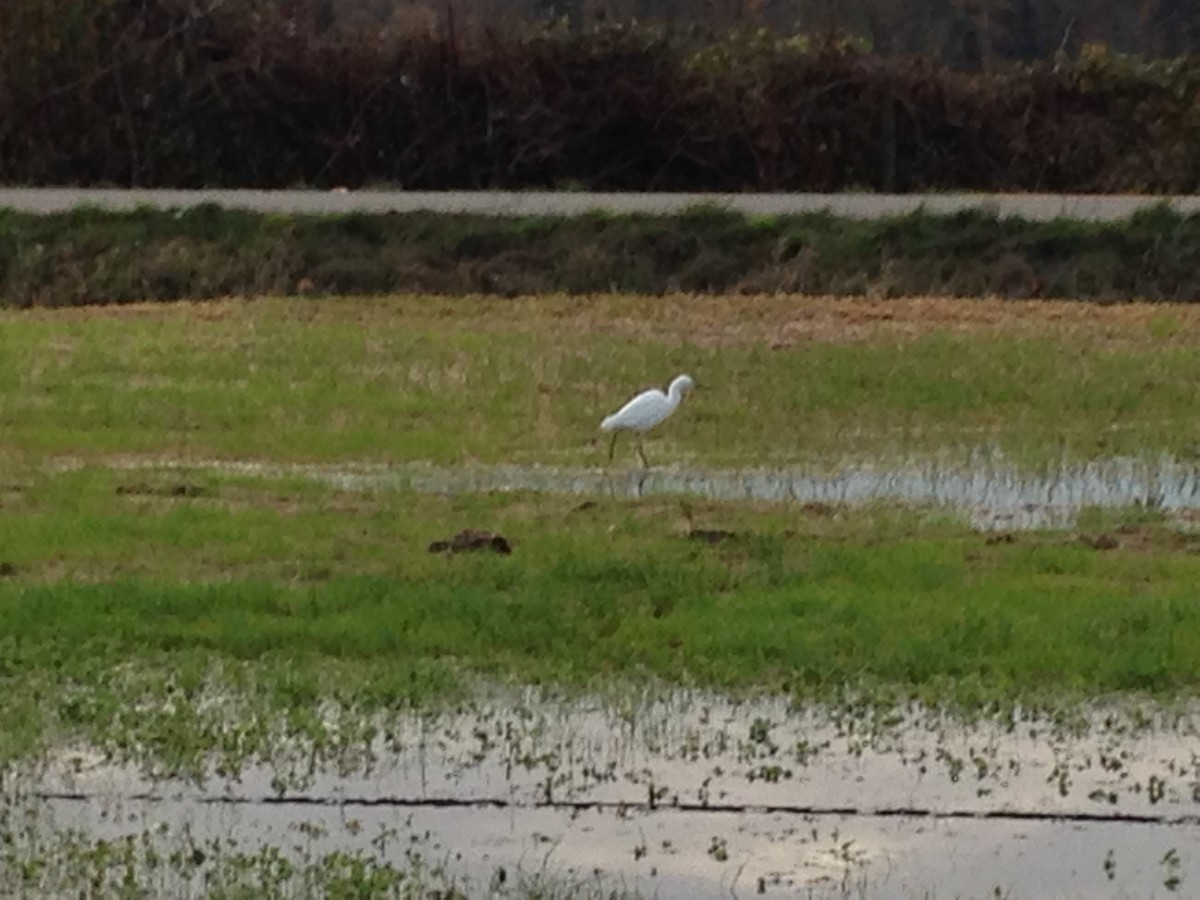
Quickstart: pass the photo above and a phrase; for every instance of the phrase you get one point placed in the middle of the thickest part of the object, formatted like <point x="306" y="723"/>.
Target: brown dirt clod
<point x="471" y="539"/>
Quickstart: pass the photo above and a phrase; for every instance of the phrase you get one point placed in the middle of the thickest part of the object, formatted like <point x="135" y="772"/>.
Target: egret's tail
<point x="608" y="424"/>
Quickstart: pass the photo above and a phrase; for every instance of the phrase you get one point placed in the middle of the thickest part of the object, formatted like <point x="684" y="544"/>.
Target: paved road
<point x="1040" y="207"/>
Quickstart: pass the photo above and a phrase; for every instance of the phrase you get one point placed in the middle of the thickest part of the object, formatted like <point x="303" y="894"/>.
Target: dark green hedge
<point x="163" y="93"/>
<point x="87" y="257"/>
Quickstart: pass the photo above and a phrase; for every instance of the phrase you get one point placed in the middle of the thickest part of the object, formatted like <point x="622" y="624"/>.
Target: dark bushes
<point x="190" y="93"/>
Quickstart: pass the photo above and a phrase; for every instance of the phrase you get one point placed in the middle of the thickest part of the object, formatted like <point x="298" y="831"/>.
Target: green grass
<point x="297" y="592"/>
<point x="453" y="382"/>
<point x="122" y="591"/>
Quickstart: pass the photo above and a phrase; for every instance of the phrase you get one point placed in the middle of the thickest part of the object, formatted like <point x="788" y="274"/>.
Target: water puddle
<point x="990" y="492"/>
<point x="693" y="795"/>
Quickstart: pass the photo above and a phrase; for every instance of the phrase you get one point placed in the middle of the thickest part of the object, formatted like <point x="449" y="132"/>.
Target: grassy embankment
<point x="88" y="256"/>
<point x="135" y="585"/>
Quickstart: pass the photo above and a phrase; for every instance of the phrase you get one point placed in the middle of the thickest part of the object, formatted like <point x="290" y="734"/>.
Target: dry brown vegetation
<point x="781" y="321"/>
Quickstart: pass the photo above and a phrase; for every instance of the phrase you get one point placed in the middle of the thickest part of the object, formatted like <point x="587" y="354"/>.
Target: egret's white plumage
<point x="645" y="411"/>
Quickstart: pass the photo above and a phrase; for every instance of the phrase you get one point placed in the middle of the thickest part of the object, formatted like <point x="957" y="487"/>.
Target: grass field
<point x="111" y="579"/>
<point x="780" y="379"/>
<point x="121" y="587"/>
<point x="327" y="592"/>
<point x="199" y="622"/>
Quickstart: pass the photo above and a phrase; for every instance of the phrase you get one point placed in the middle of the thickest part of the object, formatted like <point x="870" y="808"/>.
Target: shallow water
<point x="692" y="795"/>
<point x="992" y="493"/>
<point x="671" y="854"/>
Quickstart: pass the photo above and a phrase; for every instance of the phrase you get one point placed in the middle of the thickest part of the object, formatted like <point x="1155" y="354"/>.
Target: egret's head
<point x="682" y="384"/>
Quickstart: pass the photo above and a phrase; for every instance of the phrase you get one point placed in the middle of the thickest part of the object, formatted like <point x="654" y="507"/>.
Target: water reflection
<point x="689" y="794"/>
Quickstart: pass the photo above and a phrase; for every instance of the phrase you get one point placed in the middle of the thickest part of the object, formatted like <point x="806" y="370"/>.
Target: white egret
<point x="645" y="411"/>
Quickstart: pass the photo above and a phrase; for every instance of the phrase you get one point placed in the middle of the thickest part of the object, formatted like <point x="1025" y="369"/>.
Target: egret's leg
<point x="641" y="452"/>
<point x="612" y="446"/>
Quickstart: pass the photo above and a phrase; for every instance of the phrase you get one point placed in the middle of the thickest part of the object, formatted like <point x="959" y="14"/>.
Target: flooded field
<point x="990" y="492"/>
<point x="678" y="795"/>
<point x="666" y="793"/>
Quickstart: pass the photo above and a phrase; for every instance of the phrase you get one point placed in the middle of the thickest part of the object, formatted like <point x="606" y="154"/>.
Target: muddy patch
<point x="470" y="539"/>
<point x="179" y="489"/>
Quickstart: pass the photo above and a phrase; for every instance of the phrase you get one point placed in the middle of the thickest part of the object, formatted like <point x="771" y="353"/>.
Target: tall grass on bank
<point x="94" y="257"/>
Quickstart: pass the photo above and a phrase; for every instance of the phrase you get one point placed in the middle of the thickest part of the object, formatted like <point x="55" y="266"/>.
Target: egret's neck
<point x="675" y="394"/>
